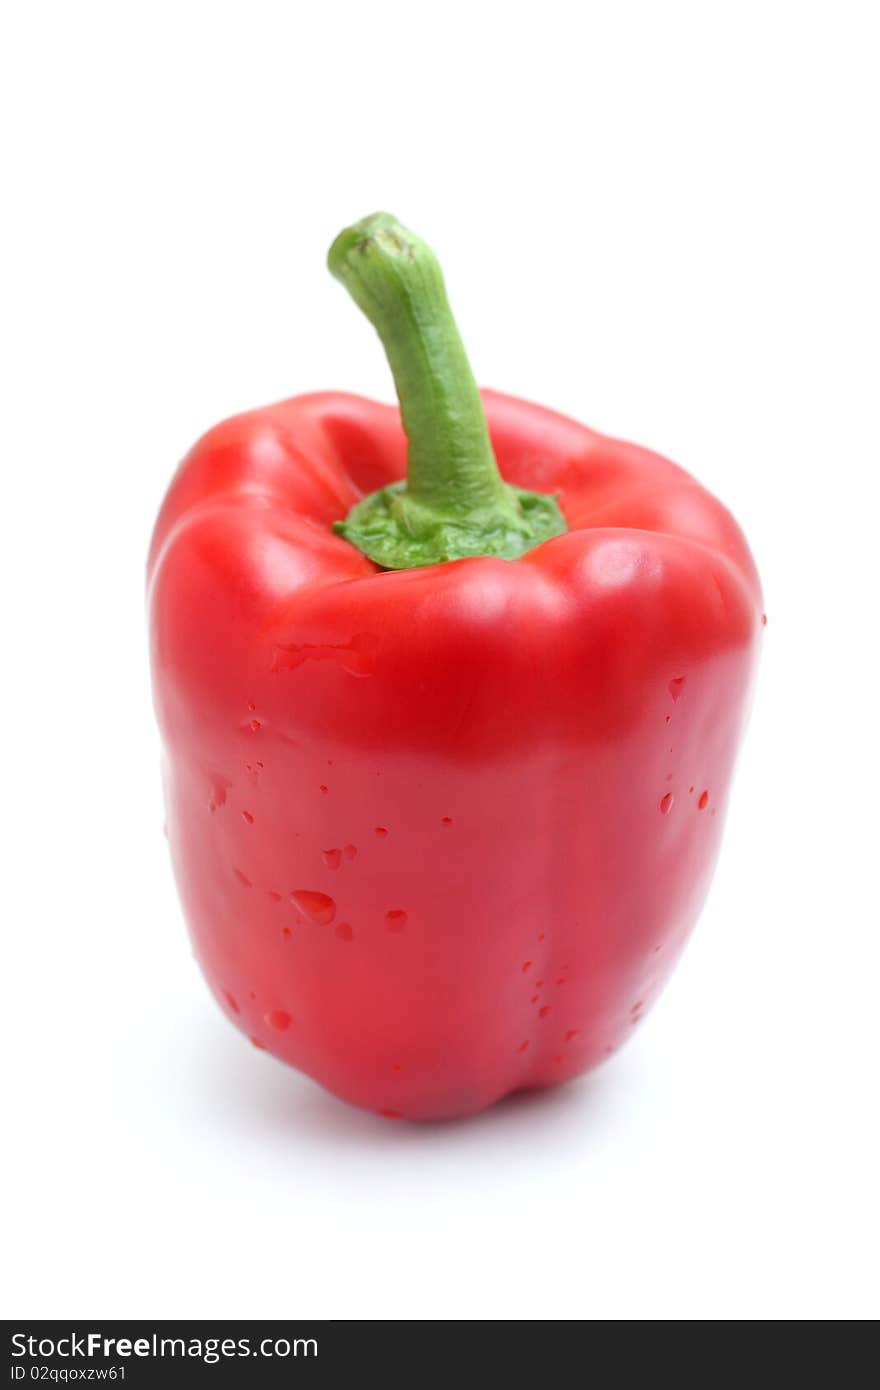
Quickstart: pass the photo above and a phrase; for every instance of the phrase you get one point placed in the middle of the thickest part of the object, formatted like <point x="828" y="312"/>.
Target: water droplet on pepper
<point x="278" y="1018"/>
<point x="318" y="907"/>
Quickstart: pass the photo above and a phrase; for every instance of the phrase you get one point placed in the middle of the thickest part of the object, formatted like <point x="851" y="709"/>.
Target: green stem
<point x="454" y="502"/>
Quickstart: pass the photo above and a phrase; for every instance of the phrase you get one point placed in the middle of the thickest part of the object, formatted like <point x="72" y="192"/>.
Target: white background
<point x="661" y="219"/>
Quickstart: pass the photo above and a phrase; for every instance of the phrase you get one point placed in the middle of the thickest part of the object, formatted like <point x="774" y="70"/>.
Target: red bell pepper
<point x="447" y="757"/>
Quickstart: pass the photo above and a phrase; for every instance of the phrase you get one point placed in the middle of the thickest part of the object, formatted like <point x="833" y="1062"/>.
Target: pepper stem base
<point x="397" y="532"/>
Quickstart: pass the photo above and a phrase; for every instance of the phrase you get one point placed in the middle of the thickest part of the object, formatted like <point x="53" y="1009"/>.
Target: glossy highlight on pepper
<point x="441" y="825"/>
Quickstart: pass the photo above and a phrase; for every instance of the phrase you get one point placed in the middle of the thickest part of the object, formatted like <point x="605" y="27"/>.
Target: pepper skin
<point x="442" y="832"/>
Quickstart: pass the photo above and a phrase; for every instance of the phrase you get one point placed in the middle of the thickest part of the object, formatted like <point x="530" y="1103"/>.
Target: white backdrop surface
<point x="662" y="220"/>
